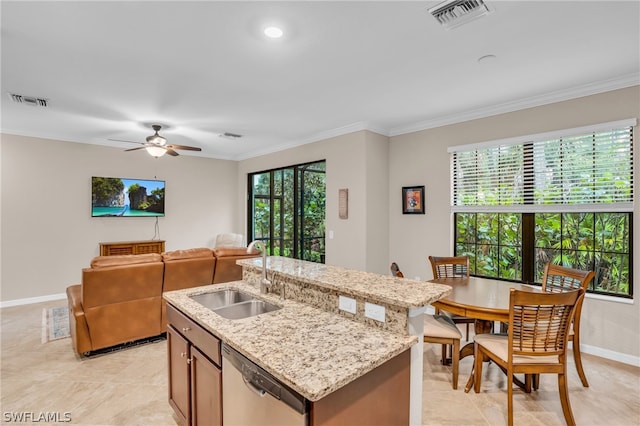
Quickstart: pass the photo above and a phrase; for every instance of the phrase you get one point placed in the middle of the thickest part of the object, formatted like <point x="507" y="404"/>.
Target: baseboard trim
<point x="30" y="300"/>
<point x="611" y="355"/>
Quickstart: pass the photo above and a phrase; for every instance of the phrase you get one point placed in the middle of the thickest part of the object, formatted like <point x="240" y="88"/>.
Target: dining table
<point x="484" y="299"/>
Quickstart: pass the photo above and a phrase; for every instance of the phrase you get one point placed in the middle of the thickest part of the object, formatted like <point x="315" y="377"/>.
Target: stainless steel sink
<point x="233" y="304"/>
<point x="222" y="298"/>
<point x="246" y="309"/>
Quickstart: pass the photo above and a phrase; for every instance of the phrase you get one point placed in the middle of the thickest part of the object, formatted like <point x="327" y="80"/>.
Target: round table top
<point x="481" y="298"/>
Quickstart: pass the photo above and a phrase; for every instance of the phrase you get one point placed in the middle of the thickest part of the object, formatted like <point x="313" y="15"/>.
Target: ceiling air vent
<point x="29" y="100"/>
<point x="230" y="135"/>
<point x="453" y="13"/>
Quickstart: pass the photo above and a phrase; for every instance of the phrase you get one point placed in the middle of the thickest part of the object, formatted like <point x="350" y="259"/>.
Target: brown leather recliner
<point x="226" y="269"/>
<point x="184" y="269"/>
<point x="118" y="301"/>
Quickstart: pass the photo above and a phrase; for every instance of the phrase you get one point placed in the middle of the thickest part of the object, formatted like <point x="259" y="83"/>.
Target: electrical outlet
<point x="373" y="311"/>
<point x="347" y="304"/>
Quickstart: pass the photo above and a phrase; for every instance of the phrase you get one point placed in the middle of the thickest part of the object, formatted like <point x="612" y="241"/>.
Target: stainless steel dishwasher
<point x="251" y="396"/>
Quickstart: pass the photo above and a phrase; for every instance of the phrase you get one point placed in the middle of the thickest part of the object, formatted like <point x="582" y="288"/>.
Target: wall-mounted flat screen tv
<point x="121" y="197"/>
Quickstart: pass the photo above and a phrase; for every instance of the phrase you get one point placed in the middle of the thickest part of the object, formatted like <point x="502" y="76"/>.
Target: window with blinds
<point x="583" y="171"/>
<point x="562" y="197"/>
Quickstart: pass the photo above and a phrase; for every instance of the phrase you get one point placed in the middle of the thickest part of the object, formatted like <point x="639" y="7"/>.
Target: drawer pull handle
<point x="183" y="354"/>
<point x="185" y="329"/>
<point x="188" y="360"/>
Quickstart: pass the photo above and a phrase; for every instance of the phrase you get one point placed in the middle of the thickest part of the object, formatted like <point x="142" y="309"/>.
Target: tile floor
<point x="129" y="387"/>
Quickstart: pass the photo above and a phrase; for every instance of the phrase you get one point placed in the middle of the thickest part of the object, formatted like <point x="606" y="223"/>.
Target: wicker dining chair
<point x="536" y="342"/>
<point x="559" y="279"/>
<point x="452" y="267"/>
<point x="440" y="329"/>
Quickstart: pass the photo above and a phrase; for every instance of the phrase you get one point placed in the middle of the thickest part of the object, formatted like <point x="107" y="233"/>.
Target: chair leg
<point x="467" y="332"/>
<point x="455" y="360"/>
<point x="578" y="360"/>
<point x="477" y="368"/>
<point x="510" y="396"/>
<point x="444" y="354"/>
<point x="563" y="389"/>
<point x="528" y="379"/>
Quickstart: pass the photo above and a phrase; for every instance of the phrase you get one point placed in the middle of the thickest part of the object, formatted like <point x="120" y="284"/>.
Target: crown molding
<point x="534" y="101"/>
<point x="602" y="86"/>
<point x="328" y="134"/>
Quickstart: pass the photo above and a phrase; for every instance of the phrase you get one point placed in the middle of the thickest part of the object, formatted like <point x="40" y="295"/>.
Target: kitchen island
<point x="309" y="344"/>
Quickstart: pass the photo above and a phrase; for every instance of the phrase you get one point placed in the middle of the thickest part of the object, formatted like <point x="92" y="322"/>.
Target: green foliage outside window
<point x="587" y="240"/>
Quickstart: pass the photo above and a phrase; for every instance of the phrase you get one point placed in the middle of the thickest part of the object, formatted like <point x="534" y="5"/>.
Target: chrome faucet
<point x="264" y="282"/>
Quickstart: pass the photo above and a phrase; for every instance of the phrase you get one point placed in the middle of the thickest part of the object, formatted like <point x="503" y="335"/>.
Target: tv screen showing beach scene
<point x="121" y="197"/>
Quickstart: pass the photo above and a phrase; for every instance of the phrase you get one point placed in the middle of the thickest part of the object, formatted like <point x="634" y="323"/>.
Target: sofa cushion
<point x="125" y="259"/>
<point x="193" y="253"/>
<point x="231" y="251"/>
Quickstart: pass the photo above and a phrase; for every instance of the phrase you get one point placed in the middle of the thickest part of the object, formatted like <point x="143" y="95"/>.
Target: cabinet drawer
<point x="206" y="342"/>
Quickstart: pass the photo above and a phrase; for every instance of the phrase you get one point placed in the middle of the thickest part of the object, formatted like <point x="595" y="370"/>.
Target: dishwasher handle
<point x="261" y="382"/>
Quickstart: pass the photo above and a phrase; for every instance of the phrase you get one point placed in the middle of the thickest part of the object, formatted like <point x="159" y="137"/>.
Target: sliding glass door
<point x="286" y="210"/>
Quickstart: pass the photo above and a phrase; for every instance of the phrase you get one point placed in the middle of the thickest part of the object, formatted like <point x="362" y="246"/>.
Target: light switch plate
<point x="347" y="304"/>
<point x="373" y="311"/>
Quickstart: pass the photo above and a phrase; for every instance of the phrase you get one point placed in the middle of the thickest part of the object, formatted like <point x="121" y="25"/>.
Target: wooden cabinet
<point x="178" y="351"/>
<point x="195" y="375"/>
<point x="131" y="247"/>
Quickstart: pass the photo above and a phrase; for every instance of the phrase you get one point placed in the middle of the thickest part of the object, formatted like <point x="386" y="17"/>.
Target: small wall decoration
<point x="413" y="199"/>
<point x="343" y="203"/>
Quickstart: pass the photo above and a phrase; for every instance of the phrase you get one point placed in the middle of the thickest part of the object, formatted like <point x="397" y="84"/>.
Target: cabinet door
<point x="178" y="353"/>
<point x="206" y="391"/>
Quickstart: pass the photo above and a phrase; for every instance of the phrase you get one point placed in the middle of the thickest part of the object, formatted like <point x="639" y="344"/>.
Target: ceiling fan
<point x="156" y="145"/>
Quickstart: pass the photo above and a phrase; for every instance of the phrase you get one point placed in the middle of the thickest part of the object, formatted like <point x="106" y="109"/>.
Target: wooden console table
<point x="131" y="247"/>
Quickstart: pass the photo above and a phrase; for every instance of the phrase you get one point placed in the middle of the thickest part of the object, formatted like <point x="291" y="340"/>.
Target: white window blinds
<point x="589" y="168"/>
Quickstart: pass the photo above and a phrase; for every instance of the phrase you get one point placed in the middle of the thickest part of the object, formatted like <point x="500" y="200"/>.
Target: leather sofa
<point x="120" y="297"/>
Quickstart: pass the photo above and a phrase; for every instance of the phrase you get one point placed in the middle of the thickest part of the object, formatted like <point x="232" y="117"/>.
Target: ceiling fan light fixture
<point x="156" y="151"/>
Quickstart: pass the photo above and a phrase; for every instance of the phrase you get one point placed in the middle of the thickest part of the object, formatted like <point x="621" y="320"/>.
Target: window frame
<point x="276" y="202"/>
<point x="525" y="204"/>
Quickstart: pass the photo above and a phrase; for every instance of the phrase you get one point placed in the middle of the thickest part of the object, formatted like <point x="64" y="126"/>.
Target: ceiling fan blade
<point x="185" y="147"/>
<point x="171" y="151"/>
<point x="134" y="149"/>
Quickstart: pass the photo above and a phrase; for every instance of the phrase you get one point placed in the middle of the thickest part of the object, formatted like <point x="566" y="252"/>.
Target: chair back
<point x="450" y="267"/>
<point x="558" y="278"/>
<point x="395" y="270"/>
<point x="539" y="323"/>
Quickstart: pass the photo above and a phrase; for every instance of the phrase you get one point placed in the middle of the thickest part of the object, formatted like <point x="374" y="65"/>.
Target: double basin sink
<point x="234" y="304"/>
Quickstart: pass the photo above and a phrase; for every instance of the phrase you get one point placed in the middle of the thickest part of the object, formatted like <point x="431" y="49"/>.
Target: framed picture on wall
<point x="413" y="199"/>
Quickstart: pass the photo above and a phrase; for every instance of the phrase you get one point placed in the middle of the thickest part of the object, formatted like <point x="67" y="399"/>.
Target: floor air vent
<point x="29" y="100"/>
<point x="453" y="13"/>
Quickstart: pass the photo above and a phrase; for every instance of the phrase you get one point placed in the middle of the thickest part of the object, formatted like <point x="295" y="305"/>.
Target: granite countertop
<point x="312" y="351"/>
<point x="401" y="292"/>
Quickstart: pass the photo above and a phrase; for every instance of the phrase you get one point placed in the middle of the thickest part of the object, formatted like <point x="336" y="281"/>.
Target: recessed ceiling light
<point x="273" y="32"/>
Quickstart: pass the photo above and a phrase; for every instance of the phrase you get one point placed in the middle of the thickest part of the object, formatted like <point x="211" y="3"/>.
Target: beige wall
<point x="421" y="158"/>
<point x="48" y="234"/>
<point x="377" y="203"/>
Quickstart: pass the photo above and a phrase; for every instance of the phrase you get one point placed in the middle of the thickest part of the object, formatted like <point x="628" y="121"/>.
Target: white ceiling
<point x="110" y="69"/>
